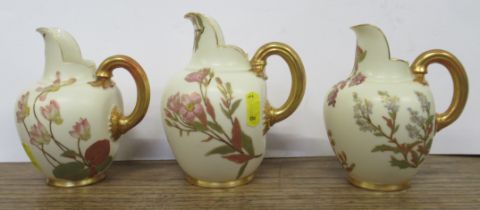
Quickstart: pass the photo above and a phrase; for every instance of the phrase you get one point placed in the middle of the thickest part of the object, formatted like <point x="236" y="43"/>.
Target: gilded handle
<point x="459" y="77"/>
<point x="259" y="60"/>
<point x="120" y="123"/>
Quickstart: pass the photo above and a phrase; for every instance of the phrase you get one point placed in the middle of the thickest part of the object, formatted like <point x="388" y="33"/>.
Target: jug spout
<point x="207" y="32"/>
<point x="210" y="51"/>
<point x="373" y="55"/>
<point x="372" y="40"/>
<point x="60" y="49"/>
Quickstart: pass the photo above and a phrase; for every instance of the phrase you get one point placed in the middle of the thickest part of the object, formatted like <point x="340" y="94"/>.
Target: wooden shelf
<point x="284" y="183"/>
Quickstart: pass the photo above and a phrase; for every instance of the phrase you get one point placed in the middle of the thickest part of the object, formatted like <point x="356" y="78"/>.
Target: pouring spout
<point x="207" y="31"/>
<point x="60" y="48"/>
<point x="373" y="55"/>
<point x="209" y="49"/>
<point x="372" y="40"/>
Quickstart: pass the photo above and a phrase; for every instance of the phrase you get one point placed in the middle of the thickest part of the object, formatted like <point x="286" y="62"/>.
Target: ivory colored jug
<point x="216" y="112"/>
<point x="381" y="119"/>
<point x="70" y="121"/>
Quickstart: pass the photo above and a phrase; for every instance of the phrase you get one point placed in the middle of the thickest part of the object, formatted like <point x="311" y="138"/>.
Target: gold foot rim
<point x="378" y="187"/>
<point x="67" y="183"/>
<point x="227" y="184"/>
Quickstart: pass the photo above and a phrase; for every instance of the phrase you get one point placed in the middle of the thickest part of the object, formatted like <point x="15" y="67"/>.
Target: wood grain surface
<point x="444" y="182"/>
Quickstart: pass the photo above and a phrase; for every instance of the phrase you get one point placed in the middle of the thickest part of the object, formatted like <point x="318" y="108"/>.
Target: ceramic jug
<point x="216" y="112"/>
<point x="381" y="119"/>
<point x="70" y="121"/>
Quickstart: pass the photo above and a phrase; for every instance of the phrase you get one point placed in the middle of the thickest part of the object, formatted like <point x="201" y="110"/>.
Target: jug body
<point x="66" y="135"/>
<point x="381" y="132"/>
<point x="65" y="120"/>
<point x="381" y="120"/>
<point x="215" y="113"/>
<point x="214" y="124"/>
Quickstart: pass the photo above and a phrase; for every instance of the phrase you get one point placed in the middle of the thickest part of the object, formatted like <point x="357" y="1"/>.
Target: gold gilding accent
<point x="199" y="27"/>
<point x="378" y="187"/>
<point x="120" y="123"/>
<point x="104" y="83"/>
<point x="67" y="183"/>
<point x="459" y="77"/>
<point x="258" y="62"/>
<point x="227" y="184"/>
<point x="257" y="69"/>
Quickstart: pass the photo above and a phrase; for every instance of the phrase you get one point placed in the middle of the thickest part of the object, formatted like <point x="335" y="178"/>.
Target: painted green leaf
<point x="30" y="155"/>
<point x="402" y="164"/>
<point x="238" y="158"/>
<point x="215" y="126"/>
<point x="222" y="150"/>
<point x="69" y="154"/>
<point x="225" y="112"/>
<point x="199" y="126"/>
<point x="103" y="166"/>
<point x="248" y="144"/>
<point x="242" y="169"/>
<point x="229" y="87"/>
<point x="384" y="147"/>
<point x="168" y="123"/>
<point x="430" y="118"/>
<point x="390" y="114"/>
<point x="235" y="106"/>
<point x="396" y="128"/>
<point x="58" y="121"/>
<point x="71" y="171"/>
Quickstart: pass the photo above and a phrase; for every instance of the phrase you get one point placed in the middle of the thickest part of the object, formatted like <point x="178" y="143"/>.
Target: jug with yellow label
<point x="381" y="119"/>
<point x="216" y="114"/>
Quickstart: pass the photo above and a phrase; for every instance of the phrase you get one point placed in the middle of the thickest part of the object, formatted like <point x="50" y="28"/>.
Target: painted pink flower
<point x="197" y="76"/>
<point x="22" y="107"/>
<point x="39" y="134"/>
<point x="357" y="79"/>
<point x="173" y="103"/>
<point x="81" y="130"/>
<point x="192" y="107"/>
<point x="51" y="112"/>
<point x="55" y="86"/>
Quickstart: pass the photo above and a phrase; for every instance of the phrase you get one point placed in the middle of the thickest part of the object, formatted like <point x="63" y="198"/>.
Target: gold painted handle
<point x="272" y="114"/>
<point x="459" y="77"/>
<point x="120" y="124"/>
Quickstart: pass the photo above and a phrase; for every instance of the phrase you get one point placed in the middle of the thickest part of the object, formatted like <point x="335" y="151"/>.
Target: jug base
<point x="79" y="183"/>
<point x="227" y="184"/>
<point x="378" y="187"/>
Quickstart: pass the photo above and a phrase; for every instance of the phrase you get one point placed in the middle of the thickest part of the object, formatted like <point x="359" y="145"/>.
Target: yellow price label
<point x="253" y="109"/>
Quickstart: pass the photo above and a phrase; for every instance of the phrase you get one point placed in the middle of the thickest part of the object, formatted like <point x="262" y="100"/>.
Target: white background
<point x="156" y="34"/>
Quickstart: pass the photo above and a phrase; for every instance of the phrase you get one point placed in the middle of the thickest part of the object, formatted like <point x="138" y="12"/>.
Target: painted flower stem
<point x="60" y="145"/>
<point x="35" y="104"/>
<point x="213" y="135"/>
<point x="42" y="148"/>
<point x="80" y="152"/>
<point x="419" y="129"/>
<point x="193" y="112"/>
<point x="390" y="137"/>
<point x="204" y="97"/>
<point x="45" y="153"/>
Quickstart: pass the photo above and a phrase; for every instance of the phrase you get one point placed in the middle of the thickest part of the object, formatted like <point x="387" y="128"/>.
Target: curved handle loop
<point x="459" y="77"/>
<point x="258" y="62"/>
<point x="120" y="124"/>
